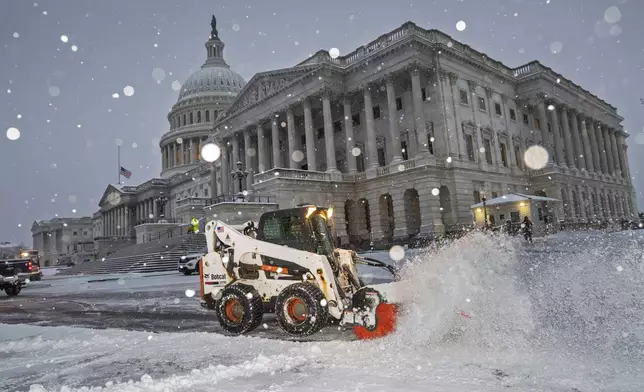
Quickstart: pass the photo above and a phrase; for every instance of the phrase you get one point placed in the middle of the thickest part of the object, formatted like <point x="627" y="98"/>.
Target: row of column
<point x="420" y="146"/>
<point x="182" y="152"/>
<point x="117" y="222"/>
<point x="583" y="143"/>
<point x="587" y="203"/>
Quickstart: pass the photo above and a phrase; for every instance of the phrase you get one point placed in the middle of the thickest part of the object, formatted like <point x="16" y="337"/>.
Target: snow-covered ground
<point x="566" y="314"/>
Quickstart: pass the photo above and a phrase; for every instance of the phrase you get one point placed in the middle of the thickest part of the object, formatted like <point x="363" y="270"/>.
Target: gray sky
<point x="56" y="166"/>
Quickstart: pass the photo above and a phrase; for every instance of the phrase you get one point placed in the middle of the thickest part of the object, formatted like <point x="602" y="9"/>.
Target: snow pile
<point x="467" y="294"/>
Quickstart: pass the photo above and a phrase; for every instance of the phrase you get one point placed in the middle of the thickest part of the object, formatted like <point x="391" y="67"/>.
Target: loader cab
<point x="306" y="228"/>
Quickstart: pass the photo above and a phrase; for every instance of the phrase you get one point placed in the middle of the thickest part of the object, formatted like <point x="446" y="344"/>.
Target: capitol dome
<point x="212" y="81"/>
<point x="203" y="97"/>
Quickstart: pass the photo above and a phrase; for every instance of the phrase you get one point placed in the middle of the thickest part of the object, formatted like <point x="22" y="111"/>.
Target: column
<point x="213" y="180"/>
<point x="615" y="154"/>
<point x="543" y="123"/>
<point x="419" y="115"/>
<point x="601" y="147"/>
<point x="331" y="165"/>
<point x="580" y="154"/>
<point x="394" y="133"/>
<point x="570" y="150"/>
<point x="277" y="156"/>
<point x="623" y="161"/>
<point x="512" y="161"/>
<point x="262" y="157"/>
<point x="371" y="155"/>
<point x="225" y="169"/>
<point x="311" y="158"/>
<point x="348" y="130"/>
<point x="610" y="162"/>
<point x="456" y="106"/>
<point x="588" y="151"/>
<point x="155" y="209"/>
<point x="593" y="144"/>
<point x="248" y="161"/>
<point x="290" y="126"/>
<point x="556" y="136"/>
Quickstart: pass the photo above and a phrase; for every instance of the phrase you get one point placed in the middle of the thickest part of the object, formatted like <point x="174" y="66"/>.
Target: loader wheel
<point x="240" y="309"/>
<point x="300" y="310"/>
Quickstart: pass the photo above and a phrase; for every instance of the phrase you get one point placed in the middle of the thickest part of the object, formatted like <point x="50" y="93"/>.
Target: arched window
<point x="199" y="117"/>
<point x="191" y="119"/>
<point x="207" y="115"/>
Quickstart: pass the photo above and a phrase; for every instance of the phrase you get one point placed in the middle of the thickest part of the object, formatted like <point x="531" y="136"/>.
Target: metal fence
<point x="250" y="198"/>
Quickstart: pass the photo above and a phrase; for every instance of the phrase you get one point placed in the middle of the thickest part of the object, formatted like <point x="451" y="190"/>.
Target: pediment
<point x="112" y="196"/>
<point x="267" y="84"/>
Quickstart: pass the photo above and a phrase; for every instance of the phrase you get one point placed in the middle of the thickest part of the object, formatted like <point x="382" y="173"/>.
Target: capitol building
<point x="402" y="136"/>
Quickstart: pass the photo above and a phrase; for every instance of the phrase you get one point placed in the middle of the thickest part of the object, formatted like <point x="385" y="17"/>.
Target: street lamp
<point x="484" y="212"/>
<point x="240" y="175"/>
<point x="162" y="200"/>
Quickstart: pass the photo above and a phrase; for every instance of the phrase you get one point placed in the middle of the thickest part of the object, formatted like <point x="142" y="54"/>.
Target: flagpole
<point x="119" y="163"/>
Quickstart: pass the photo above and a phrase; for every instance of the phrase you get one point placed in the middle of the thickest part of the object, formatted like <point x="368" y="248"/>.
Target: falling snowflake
<point x="16" y="35"/>
<point x="128" y="91"/>
<point x="536" y="157"/>
<point x="64" y="38"/>
<point x="13" y="133"/>
<point x="355" y="151"/>
<point x="436" y="191"/>
<point x="54" y="91"/>
<point x="74" y="48"/>
<point x="210" y="152"/>
<point x="397" y="253"/>
<point x="236" y="27"/>
<point x="334" y="53"/>
<point x="115" y="95"/>
<point x="461" y="25"/>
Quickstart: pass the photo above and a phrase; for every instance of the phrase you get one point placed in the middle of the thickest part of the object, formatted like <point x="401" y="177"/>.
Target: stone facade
<point x="407" y="132"/>
<point x="63" y="237"/>
<point x="401" y="136"/>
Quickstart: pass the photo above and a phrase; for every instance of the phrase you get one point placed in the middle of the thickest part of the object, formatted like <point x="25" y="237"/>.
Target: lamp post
<point x="484" y="213"/>
<point x="240" y="175"/>
<point x="162" y="200"/>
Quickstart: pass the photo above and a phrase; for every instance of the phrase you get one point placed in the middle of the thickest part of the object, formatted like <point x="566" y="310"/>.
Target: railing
<point x="157" y="220"/>
<point x="250" y="198"/>
<point x="193" y="201"/>
<point x="295" y="174"/>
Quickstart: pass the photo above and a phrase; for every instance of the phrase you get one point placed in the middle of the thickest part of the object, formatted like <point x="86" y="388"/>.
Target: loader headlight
<point x="329" y="213"/>
<point x="310" y="211"/>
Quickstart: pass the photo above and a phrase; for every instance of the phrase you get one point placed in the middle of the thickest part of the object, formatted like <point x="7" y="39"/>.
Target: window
<point x="423" y="93"/>
<point x="477" y="196"/>
<point x="280" y="228"/>
<point x="526" y="120"/>
<point x="537" y="123"/>
<point x="376" y="111"/>
<point x="464" y="98"/>
<point x="191" y="118"/>
<point x="549" y="128"/>
<point x="515" y="217"/>
<point x="504" y="155"/>
<point x="205" y="192"/>
<point x="430" y="143"/>
<point x="403" y="149"/>
<point x="469" y="144"/>
<point x="75" y="233"/>
<point x="497" y="108"/>
<point x="488" y="151"/>
<point x="502" y="217"/>
<point x="355" y="119"/>
<point x="481" y="103"/>
<point x="399" y="103"/>
<point x="207" y="115"/>
<point x="513" y="115"/>
<point x="360" y="158"/>
<point x="184" y="120"/>
<point x="198" y="117"/>
<point x="303" y="140"/>
<point x="382" y="159"/>
<point x="337" y="127"/>
<point x="320" y="133"/>
<point x="517" y="156"/>
<point x="495" y="195"/>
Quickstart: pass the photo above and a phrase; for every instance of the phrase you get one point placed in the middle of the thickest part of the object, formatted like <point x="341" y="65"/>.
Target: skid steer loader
<point x="287" y="264"/>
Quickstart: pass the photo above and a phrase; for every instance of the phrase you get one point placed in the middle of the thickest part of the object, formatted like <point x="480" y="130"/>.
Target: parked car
<point x="189" y="264"/>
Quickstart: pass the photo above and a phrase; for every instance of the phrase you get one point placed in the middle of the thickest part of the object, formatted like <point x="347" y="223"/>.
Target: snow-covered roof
<point x="513" y="198"/>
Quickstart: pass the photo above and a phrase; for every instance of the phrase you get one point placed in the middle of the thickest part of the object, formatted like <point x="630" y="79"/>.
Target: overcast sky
<point x="59" y="95"/>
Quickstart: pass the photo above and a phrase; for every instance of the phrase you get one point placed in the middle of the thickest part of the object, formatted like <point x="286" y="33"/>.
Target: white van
<point x="188" y="264"/>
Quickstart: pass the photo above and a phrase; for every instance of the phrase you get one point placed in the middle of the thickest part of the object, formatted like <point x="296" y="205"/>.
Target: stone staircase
<point x="156" y="256"/>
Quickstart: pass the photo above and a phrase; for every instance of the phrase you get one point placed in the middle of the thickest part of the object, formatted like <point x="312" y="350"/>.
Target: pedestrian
<point x="527" y="228"/>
